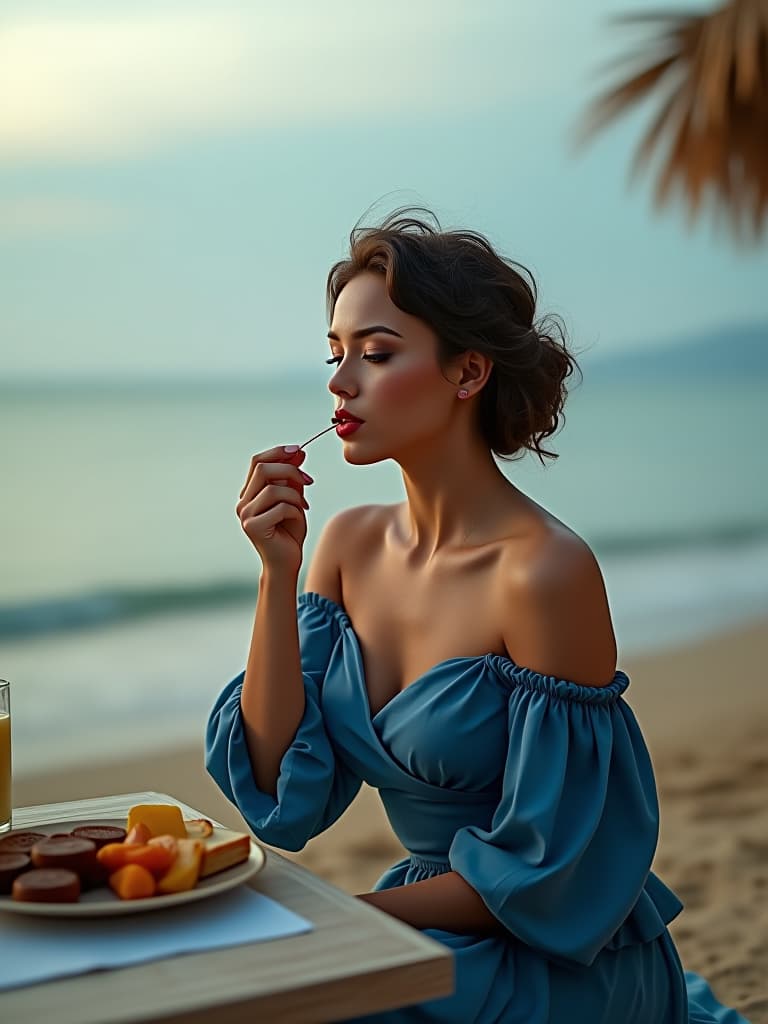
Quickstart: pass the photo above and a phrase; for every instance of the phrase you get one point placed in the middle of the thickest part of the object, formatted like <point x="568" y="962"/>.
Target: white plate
<point x="102" y="902"/>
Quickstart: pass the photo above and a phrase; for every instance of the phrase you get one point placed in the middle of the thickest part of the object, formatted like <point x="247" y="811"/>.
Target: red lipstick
<point x="345" y="429"/>
<point x="346" y="422"/>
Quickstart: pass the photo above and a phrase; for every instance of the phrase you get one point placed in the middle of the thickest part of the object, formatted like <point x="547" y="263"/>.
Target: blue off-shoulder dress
<point x="539" y="792"/>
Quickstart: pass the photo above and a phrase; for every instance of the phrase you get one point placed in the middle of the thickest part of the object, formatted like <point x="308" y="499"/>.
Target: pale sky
<point x="177" y="177"/>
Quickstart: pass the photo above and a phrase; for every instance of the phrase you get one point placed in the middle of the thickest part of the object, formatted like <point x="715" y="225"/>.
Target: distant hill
<point x="732" y="351"/>
<point x="737" y="351"/>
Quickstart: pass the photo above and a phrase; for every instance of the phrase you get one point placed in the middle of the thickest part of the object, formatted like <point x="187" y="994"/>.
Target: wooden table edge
<point x="427" y="974"/>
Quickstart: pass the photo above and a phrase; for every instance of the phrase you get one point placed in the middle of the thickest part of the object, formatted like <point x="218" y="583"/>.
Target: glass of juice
<point x="5" y="755"/>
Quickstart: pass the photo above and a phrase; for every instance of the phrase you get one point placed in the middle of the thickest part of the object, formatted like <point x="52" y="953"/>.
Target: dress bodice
<point x="437" y="750"/>
<point x="538" y="791"/>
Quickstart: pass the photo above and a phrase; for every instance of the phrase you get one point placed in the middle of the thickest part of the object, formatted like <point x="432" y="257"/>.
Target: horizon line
<point x="243" y="376"/>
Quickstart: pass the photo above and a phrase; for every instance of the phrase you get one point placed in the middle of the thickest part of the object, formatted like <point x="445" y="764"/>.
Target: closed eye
<point x="372" y="357"/>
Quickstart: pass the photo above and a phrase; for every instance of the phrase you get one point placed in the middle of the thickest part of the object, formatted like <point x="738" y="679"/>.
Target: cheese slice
<point x="160" y="819"/>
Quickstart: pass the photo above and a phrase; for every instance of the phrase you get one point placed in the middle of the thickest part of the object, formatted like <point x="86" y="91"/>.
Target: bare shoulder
<point x="345" y="536"/>
<point x="559" y="621"/>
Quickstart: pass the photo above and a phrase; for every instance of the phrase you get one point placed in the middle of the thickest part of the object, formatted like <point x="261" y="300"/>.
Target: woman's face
<point x="385" y="373"/>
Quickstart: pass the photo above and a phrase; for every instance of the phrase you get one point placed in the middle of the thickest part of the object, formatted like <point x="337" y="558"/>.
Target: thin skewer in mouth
<point x="334" y="422"/>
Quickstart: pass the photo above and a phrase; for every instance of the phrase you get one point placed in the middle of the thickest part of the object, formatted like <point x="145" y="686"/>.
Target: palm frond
<point x="710" y="71"/>
<point x="608" y="106"/>
<point x="638" y="17"/>
<point x="672" y="111"/>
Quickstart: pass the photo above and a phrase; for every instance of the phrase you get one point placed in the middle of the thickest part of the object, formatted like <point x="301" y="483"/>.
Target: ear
<point x="474" y="370"/>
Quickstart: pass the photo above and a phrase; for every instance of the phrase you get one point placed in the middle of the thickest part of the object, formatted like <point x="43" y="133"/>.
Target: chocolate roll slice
<point x="70" y="852"/>
<point x="20" y="842"/>
<point x="100" y="834"/>
<point x="11" y="865"/>
<point x="46" y="885"/>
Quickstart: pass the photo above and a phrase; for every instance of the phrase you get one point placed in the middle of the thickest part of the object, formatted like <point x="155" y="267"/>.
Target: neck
<point x="456" y="495"/>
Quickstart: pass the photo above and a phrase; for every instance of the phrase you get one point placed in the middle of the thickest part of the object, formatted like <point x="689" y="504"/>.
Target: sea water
<point x="126" y="583"/>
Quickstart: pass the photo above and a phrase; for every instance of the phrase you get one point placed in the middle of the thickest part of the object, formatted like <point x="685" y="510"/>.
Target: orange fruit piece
<point x="132" y="882"/>
<point x="185" y="870"/>
<point x="139" y="834"/>
<point x="156" y="858"/>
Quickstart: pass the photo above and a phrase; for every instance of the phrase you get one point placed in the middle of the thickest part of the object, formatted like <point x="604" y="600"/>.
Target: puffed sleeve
<point x="565" y="864"/>
<point x="313" y="788"/>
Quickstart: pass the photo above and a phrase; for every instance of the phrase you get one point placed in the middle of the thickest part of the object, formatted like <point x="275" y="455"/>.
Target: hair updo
<point x="473" y="299"/>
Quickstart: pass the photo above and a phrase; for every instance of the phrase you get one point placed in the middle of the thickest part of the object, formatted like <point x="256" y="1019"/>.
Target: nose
<point x="342" y="381"/>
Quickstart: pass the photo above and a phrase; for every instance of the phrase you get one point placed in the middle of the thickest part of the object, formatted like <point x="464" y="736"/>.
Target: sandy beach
<point x="704" y="712"/>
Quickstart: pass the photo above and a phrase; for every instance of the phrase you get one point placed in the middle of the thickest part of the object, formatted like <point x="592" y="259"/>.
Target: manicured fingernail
<point x="290" y="448"/>
<point x="306" y="477"/>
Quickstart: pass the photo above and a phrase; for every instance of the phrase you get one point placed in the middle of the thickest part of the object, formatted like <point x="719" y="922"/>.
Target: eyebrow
<point x="365" y="331"/>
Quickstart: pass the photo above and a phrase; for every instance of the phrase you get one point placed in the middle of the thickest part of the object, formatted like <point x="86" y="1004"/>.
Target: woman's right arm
<point x="266" y="744"/>
<point x="271" y="511"/>
<point x="272" y="698"/>
<point x="281" y="708"/>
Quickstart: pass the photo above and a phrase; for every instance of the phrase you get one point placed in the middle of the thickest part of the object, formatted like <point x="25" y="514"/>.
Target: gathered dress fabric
<point x="538" y="791"/>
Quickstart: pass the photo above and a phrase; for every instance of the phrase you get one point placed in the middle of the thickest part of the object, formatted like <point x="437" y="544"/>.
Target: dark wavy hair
<point x="473" y="299"/>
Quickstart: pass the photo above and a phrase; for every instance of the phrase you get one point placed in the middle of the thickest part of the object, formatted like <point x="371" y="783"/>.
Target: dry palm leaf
<point x="714" y="114"/>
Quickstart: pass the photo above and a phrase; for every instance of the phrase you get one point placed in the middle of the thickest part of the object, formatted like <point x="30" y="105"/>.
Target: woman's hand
<point x="272" y="506"/>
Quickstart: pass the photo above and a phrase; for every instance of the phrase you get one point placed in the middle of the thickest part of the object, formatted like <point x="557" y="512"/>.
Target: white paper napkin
<point x="39" y="948"/>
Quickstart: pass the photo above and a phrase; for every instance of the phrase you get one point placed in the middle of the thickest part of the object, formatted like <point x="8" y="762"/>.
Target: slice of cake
<point x="223" y="849"/>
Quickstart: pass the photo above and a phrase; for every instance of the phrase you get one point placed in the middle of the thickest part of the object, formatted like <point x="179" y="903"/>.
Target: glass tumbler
<point x="5" y="755"/>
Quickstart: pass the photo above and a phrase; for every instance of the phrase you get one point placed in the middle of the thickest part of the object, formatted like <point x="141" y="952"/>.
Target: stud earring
<point x="462" y="393"/>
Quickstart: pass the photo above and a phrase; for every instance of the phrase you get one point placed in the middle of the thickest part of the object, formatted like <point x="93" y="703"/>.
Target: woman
<point x="456" y="652"/>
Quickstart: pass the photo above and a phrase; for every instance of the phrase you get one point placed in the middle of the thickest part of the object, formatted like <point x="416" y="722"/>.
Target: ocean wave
<point x="109" y="606"/>
<point x="67" y="613"/>
<point x="682" y="539"/>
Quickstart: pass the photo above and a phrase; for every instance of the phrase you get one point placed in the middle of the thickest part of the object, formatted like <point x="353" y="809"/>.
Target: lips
<point x="344" y="416"/>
